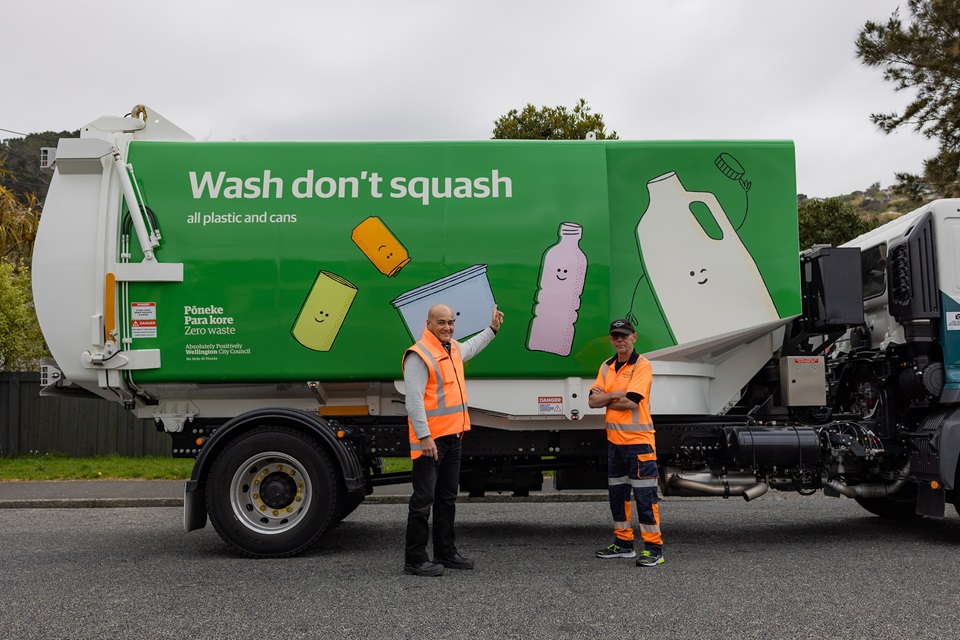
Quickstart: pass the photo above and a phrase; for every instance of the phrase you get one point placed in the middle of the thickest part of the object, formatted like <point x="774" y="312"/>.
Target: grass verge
<point x="59" y="466"/>
<point x="396" y="465"/>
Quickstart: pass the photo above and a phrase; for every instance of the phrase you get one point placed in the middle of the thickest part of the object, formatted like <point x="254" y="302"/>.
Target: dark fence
<point x="75" y="426"/>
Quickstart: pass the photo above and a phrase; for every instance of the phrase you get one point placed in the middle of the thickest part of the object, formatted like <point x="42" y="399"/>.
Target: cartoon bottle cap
<point x="729" y="166"/>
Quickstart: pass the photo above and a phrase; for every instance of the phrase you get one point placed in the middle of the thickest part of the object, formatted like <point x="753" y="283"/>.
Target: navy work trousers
<point x="435" y="485"/>
<point x="632" y="468"/>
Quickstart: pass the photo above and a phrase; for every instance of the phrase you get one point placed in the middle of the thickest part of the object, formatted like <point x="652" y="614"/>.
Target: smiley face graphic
<point x="701" y="274"/>
<point x="326" y="305"/>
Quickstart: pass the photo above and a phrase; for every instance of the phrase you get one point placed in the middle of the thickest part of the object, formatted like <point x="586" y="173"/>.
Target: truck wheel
<point x="900" y="506"/>
<point x="272" y="492"/>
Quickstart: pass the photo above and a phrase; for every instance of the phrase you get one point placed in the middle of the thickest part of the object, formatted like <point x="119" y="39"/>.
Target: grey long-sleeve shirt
<point x="416" y="375"/>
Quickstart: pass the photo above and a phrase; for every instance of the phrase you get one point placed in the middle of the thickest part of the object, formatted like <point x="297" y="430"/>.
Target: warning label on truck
<point x="143" y="316"/>
<point x="144" y="329"/>
<point x="143" y="310"/>
<point x="953" y="321"/>
<point x="550" y="405"/>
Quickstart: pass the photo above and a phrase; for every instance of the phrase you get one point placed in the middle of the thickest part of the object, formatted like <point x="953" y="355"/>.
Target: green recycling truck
<point x="255" y="298"/>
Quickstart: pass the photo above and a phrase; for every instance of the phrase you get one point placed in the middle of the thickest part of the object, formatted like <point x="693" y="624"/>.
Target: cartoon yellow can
<point x="323" y="312"/>
<point x="380" y="246"/>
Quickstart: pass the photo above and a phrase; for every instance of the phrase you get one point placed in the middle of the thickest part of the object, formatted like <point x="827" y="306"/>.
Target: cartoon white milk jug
<point x="562" y="274"/>
<point x="706" y="285"/>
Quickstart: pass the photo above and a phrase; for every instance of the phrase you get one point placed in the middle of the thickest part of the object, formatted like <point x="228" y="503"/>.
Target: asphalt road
<point x="783" y="566"/>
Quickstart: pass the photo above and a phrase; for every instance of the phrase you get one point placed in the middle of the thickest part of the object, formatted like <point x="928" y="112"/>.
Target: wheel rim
<point x="270" y="493"/>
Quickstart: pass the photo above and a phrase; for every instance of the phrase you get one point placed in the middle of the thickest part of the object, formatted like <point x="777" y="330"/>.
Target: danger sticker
<point x="143" y="310"/>
<point x="550" y="405"/>
<point x="953" y="321"/>
<point x="144" y="329"/>
<point x="806" y="360"/>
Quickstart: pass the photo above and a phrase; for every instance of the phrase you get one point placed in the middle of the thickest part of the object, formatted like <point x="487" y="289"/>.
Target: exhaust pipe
<point x="708" y="484"/>
<point x="755" y="491"/>
<point x="872" y="490"/>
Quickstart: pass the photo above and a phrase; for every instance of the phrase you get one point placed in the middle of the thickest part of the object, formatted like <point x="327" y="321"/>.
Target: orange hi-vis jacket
<point x="629" y="426"/>
<point x="445" y="398"/>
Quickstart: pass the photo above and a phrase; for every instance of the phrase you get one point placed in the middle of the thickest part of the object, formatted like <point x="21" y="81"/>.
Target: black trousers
<point x="435" y="485"/>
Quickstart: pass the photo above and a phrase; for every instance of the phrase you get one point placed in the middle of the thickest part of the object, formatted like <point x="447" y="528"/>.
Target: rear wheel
<point x="272" y="492"/>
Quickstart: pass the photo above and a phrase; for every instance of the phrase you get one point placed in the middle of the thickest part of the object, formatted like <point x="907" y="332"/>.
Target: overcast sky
<point x="434" y="70"/>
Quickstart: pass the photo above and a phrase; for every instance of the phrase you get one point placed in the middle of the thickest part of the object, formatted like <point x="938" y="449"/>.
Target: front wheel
<point x="272" y="492"/>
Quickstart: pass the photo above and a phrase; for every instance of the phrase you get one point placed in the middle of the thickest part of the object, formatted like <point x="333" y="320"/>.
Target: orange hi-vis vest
<point x="629" y="426"/>
<point x="445" y="398"/>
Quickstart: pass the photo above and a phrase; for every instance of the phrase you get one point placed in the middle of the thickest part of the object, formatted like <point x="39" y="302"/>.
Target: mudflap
<point x="930" y="501"/>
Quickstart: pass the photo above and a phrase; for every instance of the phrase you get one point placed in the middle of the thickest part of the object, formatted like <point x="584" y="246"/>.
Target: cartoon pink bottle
<point x="562" y="274"/>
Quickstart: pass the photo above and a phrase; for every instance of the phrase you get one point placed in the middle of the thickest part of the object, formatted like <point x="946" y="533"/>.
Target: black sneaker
<point x="456" y="562"/>
<point x="616" y="551"/>
<point x="648" y="559"/>
<point x="429" y="569"/>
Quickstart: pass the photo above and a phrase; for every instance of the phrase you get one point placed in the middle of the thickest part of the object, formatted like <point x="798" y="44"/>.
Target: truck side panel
<point x="312" y="260"/>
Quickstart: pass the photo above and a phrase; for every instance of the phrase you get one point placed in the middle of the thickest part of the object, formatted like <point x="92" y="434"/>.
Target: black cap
<point x="621" y="326"/>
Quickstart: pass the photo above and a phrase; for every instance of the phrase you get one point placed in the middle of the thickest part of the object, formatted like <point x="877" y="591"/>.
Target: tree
<point x="551" y="123"/>
<point x="922" y="55"/>
<point x="18" y="224"/>
<point x="21" y="342"/>
<point x="831" y="221"/>
<point x="22" y="159"/>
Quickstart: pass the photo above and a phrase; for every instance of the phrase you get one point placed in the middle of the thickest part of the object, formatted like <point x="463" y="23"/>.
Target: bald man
<point x="436" y="402"/>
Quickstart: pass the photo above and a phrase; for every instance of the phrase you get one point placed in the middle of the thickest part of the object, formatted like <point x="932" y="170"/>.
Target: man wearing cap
<point x="623" y="388"/>
<point x="436" y="402"/>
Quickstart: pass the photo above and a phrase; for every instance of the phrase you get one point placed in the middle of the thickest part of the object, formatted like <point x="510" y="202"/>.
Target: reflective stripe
<point x="436" y="370"/>
<point x="621" y="525"/>
<point x="615" y="481"/>
<point x="445" y="411"/>
<point x="616" y="426"/>
<point x="643" y="483"/>
<point x="442" y="420"/>
<point x="625" y="421"/>
<point x="649" y="528"/>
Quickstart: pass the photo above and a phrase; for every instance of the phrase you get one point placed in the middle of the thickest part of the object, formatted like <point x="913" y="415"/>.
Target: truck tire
<point x="272" y="492"/>
<point x="900" y="506"/>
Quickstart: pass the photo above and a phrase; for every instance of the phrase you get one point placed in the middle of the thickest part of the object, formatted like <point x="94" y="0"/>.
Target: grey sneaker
<point x="616" y="551"/>
<point x="648" y="559"/>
